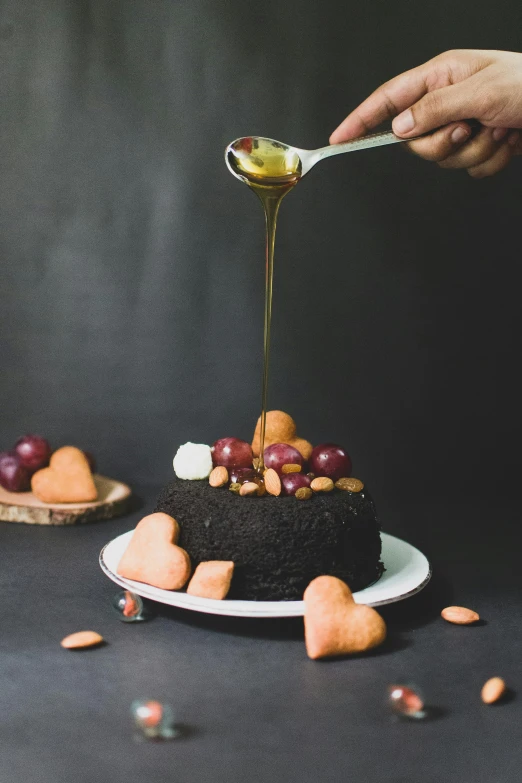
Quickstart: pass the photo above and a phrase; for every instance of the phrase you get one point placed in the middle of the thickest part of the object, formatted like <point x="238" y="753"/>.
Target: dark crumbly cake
<point x="278" y="545"/>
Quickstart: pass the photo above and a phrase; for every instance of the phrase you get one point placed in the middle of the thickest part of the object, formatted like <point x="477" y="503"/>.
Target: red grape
<point x="279" y="454"/>
<point x="242" y="475"/>
<point x="13" y="475"/>
<point x="34" y="452"/>
<point x="291" y="482"/>
<point x="232" y="453"/>
<point x="330" y="460"/>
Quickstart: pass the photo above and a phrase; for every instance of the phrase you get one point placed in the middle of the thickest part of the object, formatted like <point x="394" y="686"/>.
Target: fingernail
<point x="499" y="133"/>
<point x="514" y="136"/>
<point x="459" y="134"/>
<point x="404" y="122"/>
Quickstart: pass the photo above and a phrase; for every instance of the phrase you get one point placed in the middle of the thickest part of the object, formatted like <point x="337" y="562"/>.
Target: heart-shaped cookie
<point x="152" y="555"/>
<point x="68" y="479"/>
<point x="335" y="624"/>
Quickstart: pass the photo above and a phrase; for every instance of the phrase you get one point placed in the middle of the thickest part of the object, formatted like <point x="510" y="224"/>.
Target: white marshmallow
<point x="193" y="461"/>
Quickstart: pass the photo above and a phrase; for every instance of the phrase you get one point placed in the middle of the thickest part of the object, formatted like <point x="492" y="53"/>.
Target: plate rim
<point x="216" y="607"/>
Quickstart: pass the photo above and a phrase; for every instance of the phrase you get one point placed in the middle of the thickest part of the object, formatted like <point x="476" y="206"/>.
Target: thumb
<point x="435" y="109"/>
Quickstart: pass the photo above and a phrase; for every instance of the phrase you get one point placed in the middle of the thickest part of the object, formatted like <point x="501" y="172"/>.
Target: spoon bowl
<point x="266" y="162"/>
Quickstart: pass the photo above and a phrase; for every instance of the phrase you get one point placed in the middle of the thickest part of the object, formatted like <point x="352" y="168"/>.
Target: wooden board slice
<point x="113" y="499"/>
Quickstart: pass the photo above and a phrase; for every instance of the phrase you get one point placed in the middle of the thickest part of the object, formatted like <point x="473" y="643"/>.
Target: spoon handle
<point x="361" y="143"/>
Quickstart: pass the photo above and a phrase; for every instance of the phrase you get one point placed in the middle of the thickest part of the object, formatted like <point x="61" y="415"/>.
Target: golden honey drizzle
<point x="270" y="170"/>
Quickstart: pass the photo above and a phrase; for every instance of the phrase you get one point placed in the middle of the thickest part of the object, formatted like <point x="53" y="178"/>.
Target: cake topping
<point x="349" y="484"/>
<point x="232" y="453"/>
<point x="218" y="477"/>
<point x="152" y="555"/>
<point x="252" y="489"/>
<point x="272" y="482"/>
<point x="330" y="460"/>
<point x="335" y="624"/>
<point x="291" y="468"/>
<point x="278" y="455"/>
<point x="193" y="461"/>
<point x="322" y="484"/>
<point x="304" y="493"/>
<point x="212" y="579"/>
<point x="293" y="481"/>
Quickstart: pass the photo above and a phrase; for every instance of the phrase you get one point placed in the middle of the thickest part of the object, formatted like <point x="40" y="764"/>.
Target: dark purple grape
<point x="291" y="482"/>
<point x="13" y="475"/>
<point x="232" y="453"/>
<point x="34" y="452"/>
<point x="242" y="475"/>
<point x="330" y="460"/>
<point x="279" y="454"/>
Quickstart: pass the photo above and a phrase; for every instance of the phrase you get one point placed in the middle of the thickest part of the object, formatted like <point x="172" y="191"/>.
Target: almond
<point x="272" y="482"/>
<point x="291" y="467"/>
<point x="349" y="484"/>
<point x="304" y="493"/>
<point x="493" y="690"/>
<point x="249" y="489"/>
<point x="322" y="484"/>
<point x="459" y="615"/>
<point x="218" y="477"/>
<point x="81" y="639"/>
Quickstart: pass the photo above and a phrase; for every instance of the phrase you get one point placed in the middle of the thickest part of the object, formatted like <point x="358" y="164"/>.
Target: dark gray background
<point x="131" y="275"/>
<point x="132" y="262"/>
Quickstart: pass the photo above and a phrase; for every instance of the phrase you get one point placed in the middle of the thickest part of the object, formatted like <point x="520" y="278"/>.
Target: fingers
<point x="483" y="155"/>
<point x="437" y="108"/>
<point x="442" y="143"/>
<point x="477" y="151"/>
<point x="494" y="164"/>
<point x="383" y="104"/>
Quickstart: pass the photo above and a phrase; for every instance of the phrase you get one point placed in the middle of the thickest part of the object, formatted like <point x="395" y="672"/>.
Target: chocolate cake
<point x="278" y="544"/>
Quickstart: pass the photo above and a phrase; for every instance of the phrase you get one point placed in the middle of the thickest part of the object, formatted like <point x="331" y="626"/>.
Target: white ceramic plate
<point x="407" y="572"/>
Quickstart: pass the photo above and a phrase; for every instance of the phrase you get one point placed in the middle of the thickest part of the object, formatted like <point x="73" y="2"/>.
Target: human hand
<point x="438" y="96"/>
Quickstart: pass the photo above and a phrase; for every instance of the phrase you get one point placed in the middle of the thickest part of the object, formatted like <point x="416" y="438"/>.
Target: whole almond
<point x="291" y="467"/>
<point x="459" y="615"/>
<point x="304" y="493"/>
<point x="349" y="484"/>
<point x="322" y="484"/>
<point x="249" y="489"/>
<point x="218" y="477"/>
<point x="81" y="639"/>
<point x="493" y="690"/>
<point x="272" y="482"/>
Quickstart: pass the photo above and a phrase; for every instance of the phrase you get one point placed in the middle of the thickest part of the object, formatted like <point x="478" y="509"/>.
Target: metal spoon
<point x="256" y="159"/>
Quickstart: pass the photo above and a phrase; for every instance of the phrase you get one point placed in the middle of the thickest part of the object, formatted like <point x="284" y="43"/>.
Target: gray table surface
<point x="253" y="706"/>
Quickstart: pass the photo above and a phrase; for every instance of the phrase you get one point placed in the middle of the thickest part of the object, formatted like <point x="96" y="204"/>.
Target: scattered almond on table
<point x="81" y="640"/>
<point x="459" y="615"/>
<point x="493" y="690"/>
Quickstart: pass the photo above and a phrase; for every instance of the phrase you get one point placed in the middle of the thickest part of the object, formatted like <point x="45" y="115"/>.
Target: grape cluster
<point x="328" y="460"/>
